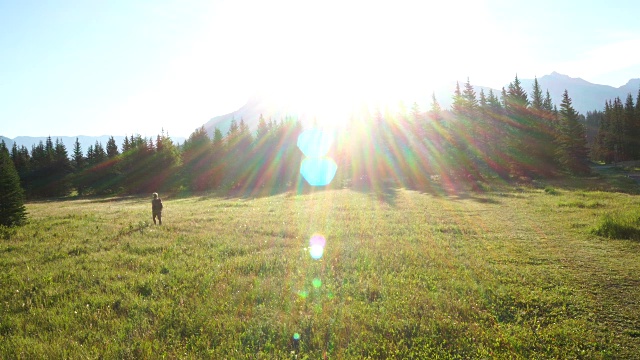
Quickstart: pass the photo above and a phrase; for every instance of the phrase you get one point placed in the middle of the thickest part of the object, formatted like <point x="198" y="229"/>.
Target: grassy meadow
<point x="537" y="270"/>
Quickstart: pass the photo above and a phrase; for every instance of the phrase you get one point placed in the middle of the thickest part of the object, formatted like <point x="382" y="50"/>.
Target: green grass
<point x="510" y="273"/>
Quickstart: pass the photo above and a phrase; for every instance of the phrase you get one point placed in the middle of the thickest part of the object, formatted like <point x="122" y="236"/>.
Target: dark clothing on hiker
<point x="156" y="209"/>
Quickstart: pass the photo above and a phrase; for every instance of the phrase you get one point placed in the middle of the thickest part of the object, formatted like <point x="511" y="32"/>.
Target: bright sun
<point x="332" y="59"/>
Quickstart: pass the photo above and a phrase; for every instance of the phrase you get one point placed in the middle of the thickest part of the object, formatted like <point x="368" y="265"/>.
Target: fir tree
<point x="494" y="103"/>
<point x="547" y="103"/>
<point x="458" y="105"/>
<point x="197" y="158"/>
<point x="99" y="155"/>
<point x="638" y="108"/>
<point x="436" y="109"/>
<point x="126" y="144"/>
<point x="537" y="102"/>
<point x="416" y="117"/>
<point x="77" y="158"/>
<point x="49" y="149"/>
<point x="233" y="128"/>
<point x="482" y="100"/>
<point x="12" y="210"/>
<point x="571" y="139"/>
<point x="630" y="132"/>
<point x="159" y="143"/>
<point x="218" y="139"/>
<point x="60" y="171"/>
<point x="112" y="148"/>
<point x="470" y="100"/>
<point x="21" y="159"/>
<point x="263" y="129"/>
<point x="90" y="155"/>
<point x="517" y="99"/>
<point x="518" y="140"/>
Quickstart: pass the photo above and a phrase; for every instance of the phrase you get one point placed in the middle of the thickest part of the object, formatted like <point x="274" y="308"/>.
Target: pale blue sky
<point x="119" y="67"/>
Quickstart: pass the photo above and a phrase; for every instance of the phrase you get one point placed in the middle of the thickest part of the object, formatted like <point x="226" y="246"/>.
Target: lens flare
<point x="315" y="142"/>
<point x="296" y="336"/>
<point x="318" y="171"/>
<point x="316" y="283"/>
<point x="317" y="168"/>
<point x="316" y="246"/>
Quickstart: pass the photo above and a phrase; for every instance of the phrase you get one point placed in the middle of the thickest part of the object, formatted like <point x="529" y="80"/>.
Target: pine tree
<point x="166" y="161"/>
<point x="77" y="158"/>
<point x="638" y="108"/>
<point x="416" y="117"/>
<point x="537" y="102"/>
<point x="90" y="155"/>
<point x="49" y="149"/>
<point x="518" y="137"/>
<point x="21" y="160"/>
<point x="517" y="99"/>
<point x="99" y="155"/>
<point x="263" y="129"/>
<point x="159" y="143"/>
<point x="78" y="161"/>
<point x="630" y="132"/>
<point x="60" y="171"/>
<point x="617" y="130"/>
<point x="436" y="109"/>
<point x="12" y="210"/>
<point x="470" y="100"/>
<point x="494" y="103"/>
<point x="547" y="103"/>
<point x="571" y="139"/>
<point x="218" y="139"/>
<point x="219" y="157"/>
<point x="245" y="138"/>
<point x="458" y="105"/>
<point x="482" y="100"/>
<point x="233" y="128"/>
<point x="112" y="148"/>
<point x="496" y="130"/>
<point x="599" y="150"/>
<point x="126" y="144"/>
<point x="197" y="158"/>
<point x="503" y="98"/>
<point x="636" y="126"/>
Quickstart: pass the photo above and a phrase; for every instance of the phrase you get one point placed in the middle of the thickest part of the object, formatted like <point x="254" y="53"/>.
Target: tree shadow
<point x="98" y="199"/>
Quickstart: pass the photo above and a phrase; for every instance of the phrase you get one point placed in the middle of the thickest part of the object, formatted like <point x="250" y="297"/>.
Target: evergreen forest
<point x="518" y="133"/>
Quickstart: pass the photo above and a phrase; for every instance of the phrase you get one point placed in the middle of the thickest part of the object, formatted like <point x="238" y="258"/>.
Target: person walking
<point x="156" y="208"/>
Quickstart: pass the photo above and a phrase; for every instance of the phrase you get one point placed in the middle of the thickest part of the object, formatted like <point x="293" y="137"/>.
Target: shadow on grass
<point x="99" y="199"/>
<point x="386" y="194"/>
<point x="605" y="178"/>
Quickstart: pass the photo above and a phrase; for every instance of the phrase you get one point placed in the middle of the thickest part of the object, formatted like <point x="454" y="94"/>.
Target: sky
<point x="121" y="67"/>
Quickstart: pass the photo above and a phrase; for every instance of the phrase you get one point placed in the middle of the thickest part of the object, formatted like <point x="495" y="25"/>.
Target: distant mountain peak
<point x="557" y="75"/>
<point x="566" y="79"/>
<point x="633" y="82"/>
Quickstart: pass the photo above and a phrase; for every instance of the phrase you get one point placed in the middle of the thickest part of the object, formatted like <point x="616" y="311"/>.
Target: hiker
<point x="156" y="208"/>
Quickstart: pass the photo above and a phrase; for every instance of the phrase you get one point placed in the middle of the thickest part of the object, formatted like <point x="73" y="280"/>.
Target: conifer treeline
<point x="482" y="135"/>
<point x="511" y="134"/>
<point x="146" y="165"/>
<point x="618" y="134"/>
